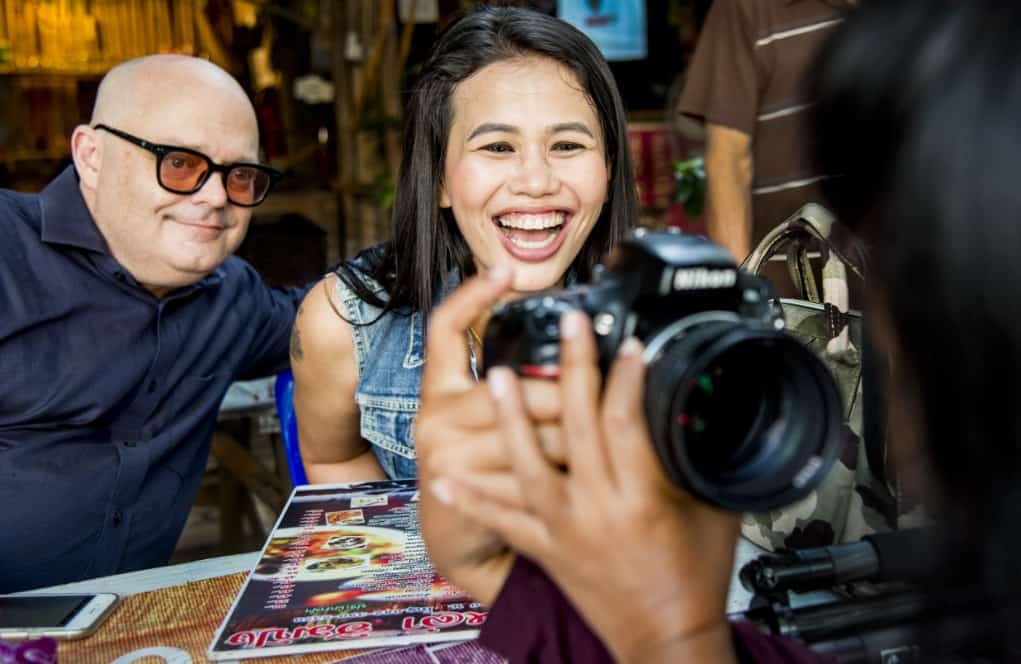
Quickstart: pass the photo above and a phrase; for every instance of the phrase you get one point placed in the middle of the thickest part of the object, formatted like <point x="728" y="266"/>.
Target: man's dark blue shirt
<point x="109" y="395"/>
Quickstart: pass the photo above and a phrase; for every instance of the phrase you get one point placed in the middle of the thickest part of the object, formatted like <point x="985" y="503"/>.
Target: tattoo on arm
<point x="296" y="353"/>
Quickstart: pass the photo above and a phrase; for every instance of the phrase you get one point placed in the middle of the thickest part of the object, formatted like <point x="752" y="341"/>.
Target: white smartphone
<point x="58" y="616"/>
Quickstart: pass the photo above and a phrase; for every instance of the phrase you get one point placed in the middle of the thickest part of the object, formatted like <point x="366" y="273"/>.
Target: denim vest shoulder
<point x="389" y="351"/>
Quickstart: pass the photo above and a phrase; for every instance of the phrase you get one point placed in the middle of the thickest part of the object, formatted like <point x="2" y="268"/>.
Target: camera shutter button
<point x="603" y="323"/>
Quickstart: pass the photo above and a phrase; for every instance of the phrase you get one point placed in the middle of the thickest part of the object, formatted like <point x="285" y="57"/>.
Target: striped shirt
<point x="749" y="73"/>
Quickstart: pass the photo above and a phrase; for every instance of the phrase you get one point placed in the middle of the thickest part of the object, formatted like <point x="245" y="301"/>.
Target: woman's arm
<point x="325" y="378"/>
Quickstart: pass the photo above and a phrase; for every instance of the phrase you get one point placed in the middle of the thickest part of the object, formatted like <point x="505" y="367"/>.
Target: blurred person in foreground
<point x="918" y="107"/>
<point x="124" y="320"/>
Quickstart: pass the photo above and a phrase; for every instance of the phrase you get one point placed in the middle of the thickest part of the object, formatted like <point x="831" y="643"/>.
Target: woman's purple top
<point x="532" y="621"/>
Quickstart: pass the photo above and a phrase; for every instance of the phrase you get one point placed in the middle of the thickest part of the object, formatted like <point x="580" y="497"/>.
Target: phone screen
<point x="54" y="611"/>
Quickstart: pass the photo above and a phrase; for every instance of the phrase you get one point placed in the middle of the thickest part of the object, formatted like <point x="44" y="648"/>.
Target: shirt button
<point x="117" y="518"/>
<point x="152" y="387"/>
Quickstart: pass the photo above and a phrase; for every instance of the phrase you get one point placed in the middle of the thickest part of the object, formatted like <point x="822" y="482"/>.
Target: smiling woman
<point x="515" y="156"/>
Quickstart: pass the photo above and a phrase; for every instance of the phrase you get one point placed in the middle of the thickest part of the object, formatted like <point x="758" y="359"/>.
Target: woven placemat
<point x="183" y="617"/>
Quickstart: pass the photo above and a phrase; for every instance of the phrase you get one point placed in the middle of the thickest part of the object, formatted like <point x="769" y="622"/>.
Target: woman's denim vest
<point x="390" y="355"/>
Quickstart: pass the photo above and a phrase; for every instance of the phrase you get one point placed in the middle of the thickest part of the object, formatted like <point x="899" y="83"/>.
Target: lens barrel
<point x="742" y="416"/>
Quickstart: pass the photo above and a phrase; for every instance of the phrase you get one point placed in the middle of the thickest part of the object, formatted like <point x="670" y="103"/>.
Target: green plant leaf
<point x="690" y="190"/>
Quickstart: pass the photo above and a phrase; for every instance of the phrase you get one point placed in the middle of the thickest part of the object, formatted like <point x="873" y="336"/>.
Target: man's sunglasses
<point x="185" y="171"/>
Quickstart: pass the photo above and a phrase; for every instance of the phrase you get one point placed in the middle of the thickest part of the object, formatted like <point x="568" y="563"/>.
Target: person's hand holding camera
<point x="457" y="434"/>
<point x="646" y="565"/>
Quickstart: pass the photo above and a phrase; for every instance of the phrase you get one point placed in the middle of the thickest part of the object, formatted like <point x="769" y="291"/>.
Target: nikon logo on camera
<point x="702" y="278"/>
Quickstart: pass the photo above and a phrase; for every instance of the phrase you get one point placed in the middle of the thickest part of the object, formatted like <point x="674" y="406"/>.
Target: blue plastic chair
<point x="283" y="390"/>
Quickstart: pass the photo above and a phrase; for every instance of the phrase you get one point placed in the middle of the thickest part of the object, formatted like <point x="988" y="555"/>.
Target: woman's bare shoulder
<point x="321" y="328"/>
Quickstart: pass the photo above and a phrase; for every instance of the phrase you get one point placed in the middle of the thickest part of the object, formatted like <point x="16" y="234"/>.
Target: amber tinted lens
<point x="182" y="172"/>
<point x="247" y="185"/>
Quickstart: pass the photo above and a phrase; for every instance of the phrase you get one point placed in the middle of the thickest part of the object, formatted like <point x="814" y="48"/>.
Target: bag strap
<point x="812" y="222"/>
<point x="799" y="267"/>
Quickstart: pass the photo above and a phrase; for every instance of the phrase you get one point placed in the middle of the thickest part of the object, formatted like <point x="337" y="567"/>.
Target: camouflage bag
<point x="853" y="501"/>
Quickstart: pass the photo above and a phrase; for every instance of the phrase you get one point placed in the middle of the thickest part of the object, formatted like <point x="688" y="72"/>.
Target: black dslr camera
<point x="742" y="414"/>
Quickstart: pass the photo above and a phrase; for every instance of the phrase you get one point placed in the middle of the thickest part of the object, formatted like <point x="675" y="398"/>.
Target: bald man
<point x="125" y="319"/>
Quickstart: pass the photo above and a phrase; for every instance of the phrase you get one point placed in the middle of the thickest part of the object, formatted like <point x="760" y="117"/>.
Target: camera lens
<point x="742" y="416"/>
<point x="724" y="404"/>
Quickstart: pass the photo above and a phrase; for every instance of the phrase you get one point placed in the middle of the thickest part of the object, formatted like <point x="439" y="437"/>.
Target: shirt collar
<point x="65" y="217"/>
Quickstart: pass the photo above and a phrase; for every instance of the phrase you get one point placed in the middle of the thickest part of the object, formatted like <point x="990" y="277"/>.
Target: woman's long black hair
<point x="426" y="243"/>
<point x="919" y="109"/>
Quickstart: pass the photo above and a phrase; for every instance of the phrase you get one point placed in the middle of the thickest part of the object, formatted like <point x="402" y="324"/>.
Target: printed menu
<point x="345" y="567"/>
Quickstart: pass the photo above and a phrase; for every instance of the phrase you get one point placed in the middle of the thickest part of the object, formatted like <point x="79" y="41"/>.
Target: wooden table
<point x="133" y="583"/>
<point x="170" y="614"/>
<point x="167" y="614"/>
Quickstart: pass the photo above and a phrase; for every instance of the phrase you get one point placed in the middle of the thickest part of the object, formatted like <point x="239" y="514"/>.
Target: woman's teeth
<point x="531" y="231"/>
<point x="532" y="222"/>
<point x="532" y="244"/>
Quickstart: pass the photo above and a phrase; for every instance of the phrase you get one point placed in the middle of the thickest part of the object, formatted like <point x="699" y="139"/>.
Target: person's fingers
<point x="623" y="413"/>
<point x="469" y="451"/>
<point x="460" y="432"/>
<point x="580" y="382"/>
<point x="474" y="408"/>
<point x="542" y="400"/>
<point x="534" y="471"/>
<point x="502" y="486"/>
<point x="551" y="440"/>
<point x="479" y="451"/>
<point x="524" y="531"/>
<point x="446" y="349"/>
